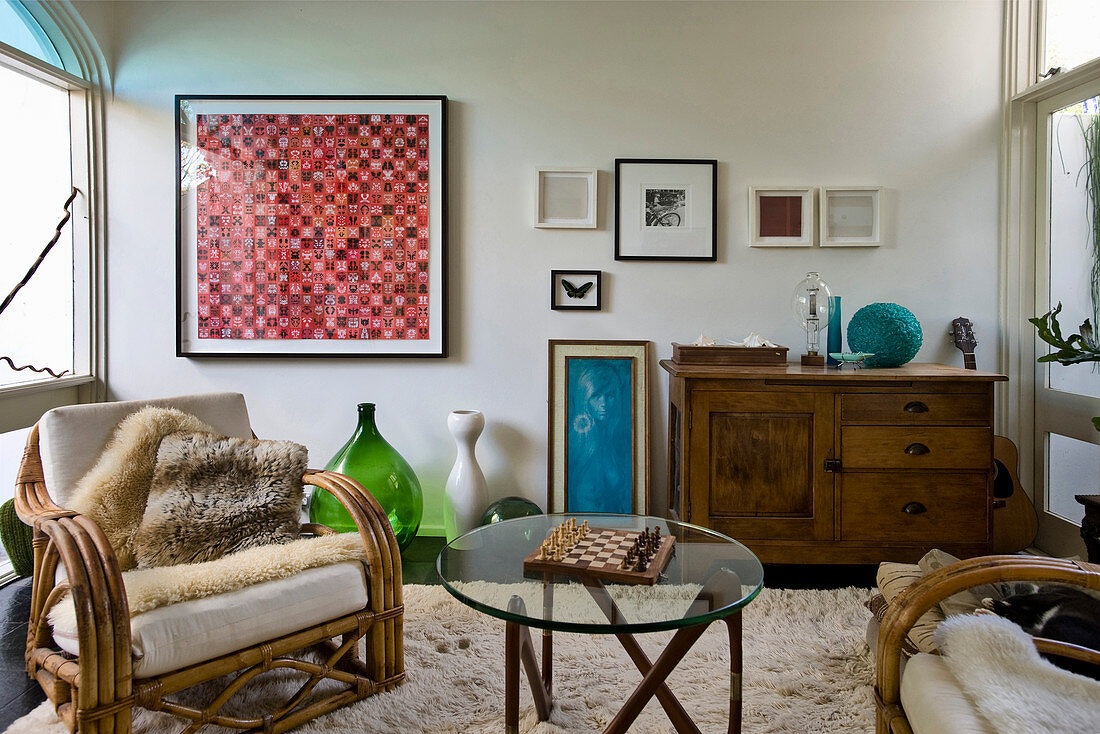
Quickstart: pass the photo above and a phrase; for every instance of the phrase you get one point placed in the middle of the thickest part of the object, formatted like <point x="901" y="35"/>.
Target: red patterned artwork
<point x="313" y="227"/>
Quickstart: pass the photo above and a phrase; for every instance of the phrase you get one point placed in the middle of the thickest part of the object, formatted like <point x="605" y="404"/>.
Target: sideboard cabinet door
<point x="757" y="464"/>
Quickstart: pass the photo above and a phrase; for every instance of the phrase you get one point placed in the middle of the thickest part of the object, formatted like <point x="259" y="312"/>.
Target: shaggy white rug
<point x="807" y="669"/>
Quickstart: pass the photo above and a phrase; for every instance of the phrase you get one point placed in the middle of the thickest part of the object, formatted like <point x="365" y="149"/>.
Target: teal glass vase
<point x="370" y="460"/>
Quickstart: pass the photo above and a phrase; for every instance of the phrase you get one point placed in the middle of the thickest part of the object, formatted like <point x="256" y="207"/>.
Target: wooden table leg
<point x="673" y="653"/>
<point x="675" y="711"/>
<point x="733" y="625"/>
<point x="518" y="648"/>
<point x="511" y="677"/>
<point x="548" y="635"/>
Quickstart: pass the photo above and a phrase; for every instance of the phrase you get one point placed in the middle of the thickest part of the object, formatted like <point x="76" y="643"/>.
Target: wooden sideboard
<point x="819" y="465"/>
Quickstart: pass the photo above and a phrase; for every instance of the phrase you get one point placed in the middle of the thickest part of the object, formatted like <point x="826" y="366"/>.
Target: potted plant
<point x="1074" y="349"/>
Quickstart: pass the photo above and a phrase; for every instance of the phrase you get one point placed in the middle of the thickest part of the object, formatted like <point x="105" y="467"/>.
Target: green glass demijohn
<point x="370" y="460"/>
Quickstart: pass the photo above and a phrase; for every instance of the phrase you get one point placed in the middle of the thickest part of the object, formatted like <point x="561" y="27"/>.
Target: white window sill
<point x="7" y="573"/>
<point x="58" y="383"/>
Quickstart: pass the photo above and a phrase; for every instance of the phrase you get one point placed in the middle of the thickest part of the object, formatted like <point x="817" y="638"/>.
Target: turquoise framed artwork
<point x="599" y="426"/>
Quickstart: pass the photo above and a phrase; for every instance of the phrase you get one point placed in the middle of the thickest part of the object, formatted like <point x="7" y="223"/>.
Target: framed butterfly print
<point x="311" y="226"/>
<point x="576" y="290"/>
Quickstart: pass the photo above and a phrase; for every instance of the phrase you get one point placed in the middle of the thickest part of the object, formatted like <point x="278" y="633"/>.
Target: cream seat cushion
<point x="71" y="438"/>
<point x="934" y="702"/>
<point x="892" y="580"/>
<point x="179" y="635"/>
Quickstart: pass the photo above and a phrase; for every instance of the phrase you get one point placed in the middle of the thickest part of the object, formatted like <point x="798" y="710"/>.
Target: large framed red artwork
<point x="311" y="226"/>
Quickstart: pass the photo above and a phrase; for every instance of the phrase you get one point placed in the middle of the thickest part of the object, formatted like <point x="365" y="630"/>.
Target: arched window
<point x="20" y="30"/>
<point x="51" y="74"/>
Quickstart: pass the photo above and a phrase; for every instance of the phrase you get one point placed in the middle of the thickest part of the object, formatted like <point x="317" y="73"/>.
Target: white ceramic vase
<point x="466" y="493"/>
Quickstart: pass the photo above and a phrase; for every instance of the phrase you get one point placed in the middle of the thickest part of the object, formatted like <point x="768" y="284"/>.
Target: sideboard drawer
<point x="917" y="408"/>
<point x="926" y="508"/>
<point x="888" y="447"/>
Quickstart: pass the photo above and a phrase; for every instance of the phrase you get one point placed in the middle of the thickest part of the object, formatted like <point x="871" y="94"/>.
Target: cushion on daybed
<point x="894" y="578"/>
<point x="72" y="438"/>
<point x="934" y="702"/>
<point x="178" y="635"/>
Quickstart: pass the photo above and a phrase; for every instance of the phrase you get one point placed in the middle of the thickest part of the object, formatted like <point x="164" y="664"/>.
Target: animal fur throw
<point x="211" y="496"/>
<point x="115" y="491"/>
<point x="152" y="485"/>
<point x="1015" y="690"/>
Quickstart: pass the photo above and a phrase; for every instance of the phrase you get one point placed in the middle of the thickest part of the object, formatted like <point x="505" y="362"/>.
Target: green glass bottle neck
<point x="366" y="426"/>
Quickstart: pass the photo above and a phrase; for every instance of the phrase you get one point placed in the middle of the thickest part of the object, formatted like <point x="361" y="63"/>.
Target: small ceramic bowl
<point x="850" y="357"/>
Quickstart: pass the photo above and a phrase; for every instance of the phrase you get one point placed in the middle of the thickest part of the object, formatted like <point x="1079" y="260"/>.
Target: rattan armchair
<point x="906" y="609"/>
<point x="96" y="690"/>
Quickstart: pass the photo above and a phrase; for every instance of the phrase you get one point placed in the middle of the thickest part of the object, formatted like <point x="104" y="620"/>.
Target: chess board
<point x="599" y="554"/>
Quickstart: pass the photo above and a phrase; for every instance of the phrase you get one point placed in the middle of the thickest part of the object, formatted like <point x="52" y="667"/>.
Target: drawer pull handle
<point x="914" y="508"/>
<point x="917" y="449"/>
<point x="916" y="407"/>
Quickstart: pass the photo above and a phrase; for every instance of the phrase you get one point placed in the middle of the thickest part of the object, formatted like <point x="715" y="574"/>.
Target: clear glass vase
<point x="370" y="460"/>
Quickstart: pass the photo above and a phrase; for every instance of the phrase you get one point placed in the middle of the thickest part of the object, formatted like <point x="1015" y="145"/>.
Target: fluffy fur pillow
<point x="211" y="496"/>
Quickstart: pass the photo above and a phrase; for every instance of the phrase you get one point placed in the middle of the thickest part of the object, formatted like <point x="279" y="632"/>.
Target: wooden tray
<point x="728" y="355"/>
<point x="598" y="554"/>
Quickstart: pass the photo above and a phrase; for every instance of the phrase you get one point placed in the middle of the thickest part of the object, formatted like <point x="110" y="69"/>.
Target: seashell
<point x="754" y="340"/>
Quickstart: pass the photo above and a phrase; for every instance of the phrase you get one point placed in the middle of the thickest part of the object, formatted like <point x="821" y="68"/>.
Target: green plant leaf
<point x="1074" y="349"/>
<point x="1096" y="423"/>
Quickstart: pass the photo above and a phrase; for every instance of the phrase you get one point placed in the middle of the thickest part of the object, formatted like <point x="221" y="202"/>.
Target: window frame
<point x="1021" y="184"/>
<point x="22" y="405"/>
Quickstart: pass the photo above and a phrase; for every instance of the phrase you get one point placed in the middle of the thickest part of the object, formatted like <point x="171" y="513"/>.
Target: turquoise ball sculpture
<point x="888" y="331"/>
<point x="509" y="508"/>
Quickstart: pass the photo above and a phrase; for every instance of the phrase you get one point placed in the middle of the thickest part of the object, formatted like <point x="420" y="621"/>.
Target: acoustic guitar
<point x="1015" y="523"/>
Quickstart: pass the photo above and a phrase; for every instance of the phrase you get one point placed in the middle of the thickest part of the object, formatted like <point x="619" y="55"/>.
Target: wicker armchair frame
<point x="96" y="692"/>
<point x="936" y="586"/>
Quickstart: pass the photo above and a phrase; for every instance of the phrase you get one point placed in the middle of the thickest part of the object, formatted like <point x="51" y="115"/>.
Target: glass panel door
<point x="1067" y="397"/>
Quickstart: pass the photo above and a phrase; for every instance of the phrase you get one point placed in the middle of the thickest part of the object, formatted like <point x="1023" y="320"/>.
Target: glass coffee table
<point x="709" y="577"/>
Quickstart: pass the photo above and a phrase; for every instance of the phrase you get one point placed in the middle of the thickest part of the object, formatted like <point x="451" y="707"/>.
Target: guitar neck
<point x="969" y="362"/>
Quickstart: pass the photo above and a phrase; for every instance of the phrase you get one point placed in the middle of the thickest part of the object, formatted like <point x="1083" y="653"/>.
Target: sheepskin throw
<point x="1014" y="689"/>
<point x="211" y="496"/>
<point x="150" y="588"/>
<point x="141" y="504"/>
<point x="114" y="492"/>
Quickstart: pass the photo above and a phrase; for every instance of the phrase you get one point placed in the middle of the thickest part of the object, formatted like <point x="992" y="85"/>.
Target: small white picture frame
<point x="851" y="216"/>
<point x="565" y="198"/>
<point x="781" y="216"/>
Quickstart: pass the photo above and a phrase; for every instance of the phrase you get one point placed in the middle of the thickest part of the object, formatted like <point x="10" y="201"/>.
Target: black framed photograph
<point x="666" y="209"/>
<point x="576" y="290"/>
<point x="311" y="226"/>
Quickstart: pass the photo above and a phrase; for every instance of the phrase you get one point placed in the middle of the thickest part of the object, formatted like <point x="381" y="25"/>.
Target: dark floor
<point x="19" y="695"/>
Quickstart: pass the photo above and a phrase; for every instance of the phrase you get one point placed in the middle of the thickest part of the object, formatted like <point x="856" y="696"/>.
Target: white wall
<point x="899" y="94"/>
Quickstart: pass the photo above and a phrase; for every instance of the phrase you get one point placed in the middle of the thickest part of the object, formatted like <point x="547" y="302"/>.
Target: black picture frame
<point x="687" y="231"/>
<point x="560" y="299"/>
<point x="382" y="307"/>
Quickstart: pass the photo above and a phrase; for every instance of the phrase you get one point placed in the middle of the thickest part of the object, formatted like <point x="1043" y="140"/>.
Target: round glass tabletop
<point x="709" y="576"/>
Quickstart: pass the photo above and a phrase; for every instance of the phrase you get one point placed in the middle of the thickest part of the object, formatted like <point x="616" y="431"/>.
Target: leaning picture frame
<point x="598" y="426"/>
<point x="311" y="226"/>
<point x="666" y="209"/>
